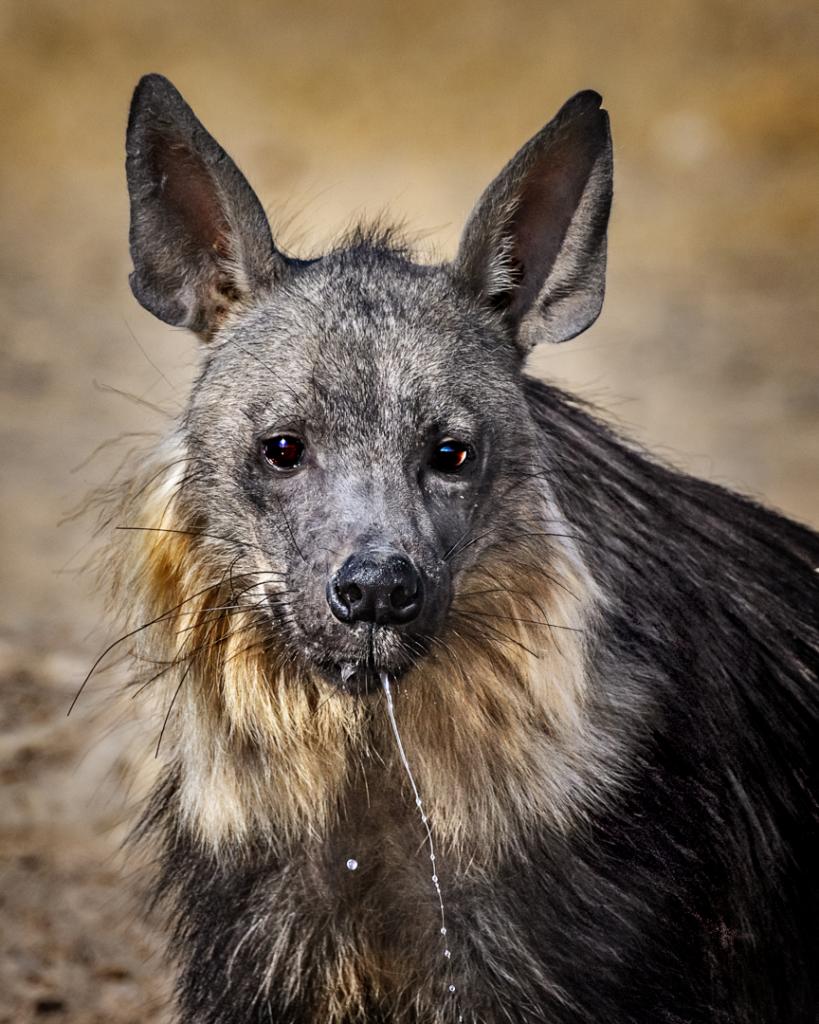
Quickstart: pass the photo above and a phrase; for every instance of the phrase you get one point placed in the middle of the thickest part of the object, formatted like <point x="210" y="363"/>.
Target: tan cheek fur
<point x="493" y="719"/>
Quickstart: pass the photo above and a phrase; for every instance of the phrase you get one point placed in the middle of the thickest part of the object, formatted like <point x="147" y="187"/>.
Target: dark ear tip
<point x="588" y="98"/>
<point x="156" y="91"/>
<point x="582" y="104"/>
<point x="153" y="83"/>
<point x="584" y="113"/>
<point x="156" y="100"/>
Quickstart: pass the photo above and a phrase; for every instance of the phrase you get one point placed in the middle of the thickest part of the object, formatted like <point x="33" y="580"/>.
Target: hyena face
<point x="359" y="423"/>
<point x="357" y="427"/>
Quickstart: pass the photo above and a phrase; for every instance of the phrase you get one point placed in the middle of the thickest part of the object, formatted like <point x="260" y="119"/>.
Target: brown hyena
<point x="603" y="670"/>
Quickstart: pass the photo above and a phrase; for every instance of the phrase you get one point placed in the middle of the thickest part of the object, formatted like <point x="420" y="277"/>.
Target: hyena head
<point x="356" y="486"/>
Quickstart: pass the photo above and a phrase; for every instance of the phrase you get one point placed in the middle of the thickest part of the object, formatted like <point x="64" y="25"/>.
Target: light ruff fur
<point x="493" y="718"/>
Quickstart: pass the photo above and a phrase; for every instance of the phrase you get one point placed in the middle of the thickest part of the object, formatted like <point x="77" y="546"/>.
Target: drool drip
<point x="385" y="682"/>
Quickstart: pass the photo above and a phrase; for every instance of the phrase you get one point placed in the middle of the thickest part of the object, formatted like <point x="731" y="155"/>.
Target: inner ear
<point x="190" y="193"/>
<point x="540" y="222"/>
<point x="534" y="247"/>
<point x="200" y="240"/>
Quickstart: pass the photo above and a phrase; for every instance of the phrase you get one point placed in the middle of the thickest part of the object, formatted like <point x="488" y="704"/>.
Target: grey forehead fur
<point x="372" y="326"/>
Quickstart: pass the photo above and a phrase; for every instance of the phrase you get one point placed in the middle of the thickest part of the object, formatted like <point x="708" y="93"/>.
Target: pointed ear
<point x="535" y="244"/>
<point x="200" y="240"/>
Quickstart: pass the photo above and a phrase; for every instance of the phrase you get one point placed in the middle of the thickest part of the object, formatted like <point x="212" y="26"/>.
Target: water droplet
<point x="352" y="864"/>
<point x="385" y="683"/>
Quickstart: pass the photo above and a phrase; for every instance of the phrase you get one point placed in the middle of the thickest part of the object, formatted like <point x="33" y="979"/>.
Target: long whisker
<point x="220" y="612"/>
<point x="199" y="533"/>
<point x="180" y="659"/>
<point x="133" y="632"/>
<point x="530" y="622"/>
<point x="504" y="637"/>
<point x="507" y="539"/>
<point x="110" y="389"/>
<point x="164" y="469"/>
<point x="158" y="675"/>
<point x="127" y="636"/>
<point x="263" y="643"/>
<point x="185" y="675"/>
<point x="510" y="590"/>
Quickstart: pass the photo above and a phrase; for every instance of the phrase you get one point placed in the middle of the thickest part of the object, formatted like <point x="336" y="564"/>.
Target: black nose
<point x="373" y="587"/>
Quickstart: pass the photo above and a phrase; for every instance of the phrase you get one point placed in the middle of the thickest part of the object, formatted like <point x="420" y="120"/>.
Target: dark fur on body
<point x="612" y="702"/>
<point x="692" y="897"/>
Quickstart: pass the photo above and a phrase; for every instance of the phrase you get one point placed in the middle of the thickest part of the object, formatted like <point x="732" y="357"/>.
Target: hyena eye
<point x="450" y="456"/>
<point x="284" y="451"/>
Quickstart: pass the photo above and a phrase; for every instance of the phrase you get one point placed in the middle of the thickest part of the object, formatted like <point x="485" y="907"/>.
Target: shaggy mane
<point x="260" y="744"/>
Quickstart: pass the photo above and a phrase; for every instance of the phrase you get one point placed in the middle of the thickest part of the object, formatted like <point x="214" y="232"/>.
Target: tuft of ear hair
<point x="200" y="240"/>
<point x="534" y="247"/>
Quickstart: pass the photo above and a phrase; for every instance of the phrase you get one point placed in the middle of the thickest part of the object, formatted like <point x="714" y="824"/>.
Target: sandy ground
<point x="705" y="350"/>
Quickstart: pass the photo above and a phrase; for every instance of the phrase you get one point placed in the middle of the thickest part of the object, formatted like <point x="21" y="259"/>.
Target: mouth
<point x="363" y="676"/>
<point x="357" y="671"/>
<point x="351" y="659"/>
<point x="358" y="679"/>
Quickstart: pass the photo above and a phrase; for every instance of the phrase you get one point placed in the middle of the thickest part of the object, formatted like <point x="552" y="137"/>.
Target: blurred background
<point x="706" y="349"/>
